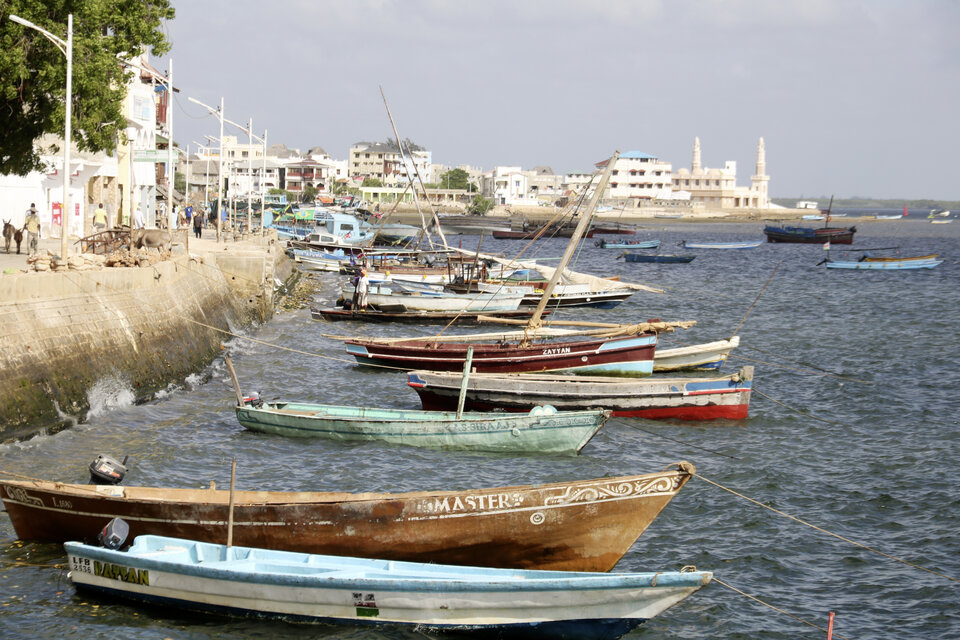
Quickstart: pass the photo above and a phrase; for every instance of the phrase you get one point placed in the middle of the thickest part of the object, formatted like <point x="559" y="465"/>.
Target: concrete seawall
<point x="149" y="326"/>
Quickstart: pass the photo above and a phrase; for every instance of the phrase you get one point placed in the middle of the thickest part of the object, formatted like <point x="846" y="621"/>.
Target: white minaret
<point x="696" y="167"/>
<point x="760" y="181"/>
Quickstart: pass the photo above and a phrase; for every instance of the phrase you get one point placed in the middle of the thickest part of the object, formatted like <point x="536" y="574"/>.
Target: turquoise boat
<point x="884" y="265"/>
<point x="299" y="587"/>
<point x="542" y="430"/>
<point x="628" y="244"/>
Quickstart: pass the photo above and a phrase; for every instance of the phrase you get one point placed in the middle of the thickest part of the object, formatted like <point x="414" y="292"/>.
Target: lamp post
<point x="206" y="175"/>
<point x="66" y="48"/>
<point x="263" y="176"/>
<point x="219" y="114"/>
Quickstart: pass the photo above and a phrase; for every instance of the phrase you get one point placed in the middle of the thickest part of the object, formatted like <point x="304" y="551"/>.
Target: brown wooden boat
<point x="582" y="525"/>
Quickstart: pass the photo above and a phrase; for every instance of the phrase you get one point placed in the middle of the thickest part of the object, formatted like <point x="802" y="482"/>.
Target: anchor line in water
<point x="660" y="435"/>
<point x="757" y="299"/>
<point x="794" y="409"/>
<point x="830" y="533"/>
<point x="777" y="609"/>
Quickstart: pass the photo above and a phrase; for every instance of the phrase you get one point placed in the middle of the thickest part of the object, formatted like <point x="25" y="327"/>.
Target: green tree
<point x="456" y="179"/>
<point x="372" y="182"/>
<point x="33" y="72"/>
<point x="309" y="193"/>
<point x="479" y="206"/>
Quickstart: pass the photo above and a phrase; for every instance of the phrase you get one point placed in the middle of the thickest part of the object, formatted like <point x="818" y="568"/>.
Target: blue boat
<point x="884" y="265"/>
<point x="639" y="257"/>
<point x="722" y="245"/>
<point x="629" y="244"/>
<point x="289" y="586"/>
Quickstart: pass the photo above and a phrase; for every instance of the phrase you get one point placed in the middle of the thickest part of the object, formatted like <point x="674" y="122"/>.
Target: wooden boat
<point x="885" y="265"/>
<point x="941" y="221"/>
<point x="611" y="350"/>
<point x="629" y="355"/>
<point x="383" y="295"/>
<point x="580" y="525"/>
<point x="652" y="398"/>
<point x="615" y="230"/>
<point x="186" y="574"/>
<point x="807" y="235"/>
<point x="563" y="295"/>
<point x="869" y="258"/>
<point x="640" y="257"/>
<point x="538" y="232"/>
<point x="399" y="313"/>
<point x="697" y="357"/>
<point x="721" y="245"/>
<point x="542" y="430"/>
<point x="628" y="244"/>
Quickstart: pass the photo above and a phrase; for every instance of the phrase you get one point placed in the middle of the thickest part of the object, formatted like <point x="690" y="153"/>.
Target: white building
<point x="717" y="188"/>
<point x="384" y="162"/>
<point x="639" y="176"/>
<point x="507" y="186"/>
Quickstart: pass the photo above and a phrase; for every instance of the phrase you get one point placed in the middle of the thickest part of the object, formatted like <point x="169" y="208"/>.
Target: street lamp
<point x="219" y="114"/>
<point x="263" y="175"/>
<point x="206" y="176"/>
<point x="67" y="49"/>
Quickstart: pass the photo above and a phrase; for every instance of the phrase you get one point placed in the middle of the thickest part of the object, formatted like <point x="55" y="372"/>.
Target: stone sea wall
<point x="152" y="326"/>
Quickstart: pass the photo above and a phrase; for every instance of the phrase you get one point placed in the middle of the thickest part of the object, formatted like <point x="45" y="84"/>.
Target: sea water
<point x="853" y="428"/>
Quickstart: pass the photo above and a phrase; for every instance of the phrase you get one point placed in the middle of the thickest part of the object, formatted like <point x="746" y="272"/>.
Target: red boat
<point x="630" y="355"/>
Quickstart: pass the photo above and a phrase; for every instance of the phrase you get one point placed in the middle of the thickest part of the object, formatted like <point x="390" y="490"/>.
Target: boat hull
<point x="884" y="265"/>
<point x="722" y="245"/>
<point x="318" y="588"/>
<point x="502" y="234"/>
<point x="657" y="398"/>
<point x="543" y="430"/>
<point x="639" y="257"/>
<point x="581" y="525"/>
<point x="700" y="357"/>
<point x="640" y="244"/>
<point x="417" y="317"/>
<point x="626" y="356"/>
<point x="805" y="235"/>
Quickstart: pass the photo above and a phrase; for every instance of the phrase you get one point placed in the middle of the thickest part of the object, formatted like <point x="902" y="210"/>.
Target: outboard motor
<point x="114" y="534"/>
<point x="106" y="470"/>
<point x="253" y="399"/>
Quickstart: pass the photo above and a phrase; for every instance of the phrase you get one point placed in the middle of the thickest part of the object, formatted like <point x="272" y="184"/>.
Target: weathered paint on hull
<point x="628" y="356"/>
<point x="575" y="526"/>
<point x="664" y="398"/>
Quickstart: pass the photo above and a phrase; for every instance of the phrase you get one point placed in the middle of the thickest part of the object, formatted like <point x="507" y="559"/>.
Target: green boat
<point x="542" y="430"/>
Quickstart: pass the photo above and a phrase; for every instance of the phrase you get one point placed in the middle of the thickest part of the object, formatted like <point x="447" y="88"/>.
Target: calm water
<point x="856" y="431"/>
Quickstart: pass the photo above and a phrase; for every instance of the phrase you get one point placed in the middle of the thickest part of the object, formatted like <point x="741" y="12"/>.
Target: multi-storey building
<point x="507" y="186"/>
<point x="383" y="161"/>
<point x="639" y="176"/>
<point x="717" y="188"/>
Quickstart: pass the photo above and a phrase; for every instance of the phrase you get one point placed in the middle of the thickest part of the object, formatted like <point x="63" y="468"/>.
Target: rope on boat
<point x="830" y="533"/>
<point x="777" y="609"/>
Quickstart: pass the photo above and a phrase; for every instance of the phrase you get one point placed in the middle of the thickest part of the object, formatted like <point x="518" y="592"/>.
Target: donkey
<point x="18" y="238"/>
<point x="8" y="230"/>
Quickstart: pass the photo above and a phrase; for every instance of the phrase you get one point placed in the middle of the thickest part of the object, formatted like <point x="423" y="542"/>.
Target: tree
<point x="309" y="193"/>
<point x="457" y="179"/>
<point x="371" y="182"/>
<point x="33" y="72"/>
<point x="479" y="206"/>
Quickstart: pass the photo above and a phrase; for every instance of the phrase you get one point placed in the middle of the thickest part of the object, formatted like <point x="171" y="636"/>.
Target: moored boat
<point x="186" y="574"/>
<point x="807" y="235"/>
<point x="385" y="295"/>
<point x="542" y="430"/>
<point x="883" y="265"/>
<point x="652" y="398"/>
<point x="579" y="525"/>
<point x="628" y="244"/>
<point x="696" y="357"/>
<point x="640" y="257"/>
<point x="722" y="245"/>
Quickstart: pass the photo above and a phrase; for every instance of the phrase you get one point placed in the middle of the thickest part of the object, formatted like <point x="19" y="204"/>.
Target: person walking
<point x="197" y="225"/>
<point x="99" y="219"/>
<point x="32" y="225"/>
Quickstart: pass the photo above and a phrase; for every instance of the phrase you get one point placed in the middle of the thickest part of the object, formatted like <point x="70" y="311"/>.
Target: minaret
<point x="760" y="181"/>
<point x="696" y="166"/>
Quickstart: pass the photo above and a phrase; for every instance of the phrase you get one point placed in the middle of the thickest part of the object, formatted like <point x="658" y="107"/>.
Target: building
<point x="717" y="188"/>
<point x="384" y="162"/>
<point x="507" y="186"/>
<point x="639" y="176"/>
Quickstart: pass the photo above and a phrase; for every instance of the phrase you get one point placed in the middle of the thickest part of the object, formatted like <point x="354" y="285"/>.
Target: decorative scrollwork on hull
<point x="605" y="491"/>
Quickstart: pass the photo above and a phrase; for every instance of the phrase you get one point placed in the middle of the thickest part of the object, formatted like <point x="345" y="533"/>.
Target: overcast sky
<point x="852" y="97"/>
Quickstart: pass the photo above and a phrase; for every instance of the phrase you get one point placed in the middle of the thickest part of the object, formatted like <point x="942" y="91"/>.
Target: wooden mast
<point x="535" y="321"/>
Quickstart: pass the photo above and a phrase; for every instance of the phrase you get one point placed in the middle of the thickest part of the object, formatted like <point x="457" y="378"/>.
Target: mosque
<point x="717" y="188"/>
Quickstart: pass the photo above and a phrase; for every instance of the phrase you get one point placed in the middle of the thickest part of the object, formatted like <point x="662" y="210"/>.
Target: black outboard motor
<point x="253" y="399"/>
<point x="106" y="470"/>
<point x="114" y="534"/>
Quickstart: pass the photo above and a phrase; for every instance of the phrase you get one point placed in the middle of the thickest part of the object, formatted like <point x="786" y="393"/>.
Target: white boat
<point x="185" y="574"/>
<point x="722" y="245"/>
<point x="806" y="204"/>
<point x="812" y="216"/>
<point x="427" y="299"/>
<point x="697" y="357"/>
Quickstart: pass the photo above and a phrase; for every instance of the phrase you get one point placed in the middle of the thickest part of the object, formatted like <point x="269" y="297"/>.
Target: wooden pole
<point x="236" y="383"/>
<point x="830" y="627"/>
<point x="463" y="381"/>
<point x="233" y="484"/>
<point x="574" y="239"/>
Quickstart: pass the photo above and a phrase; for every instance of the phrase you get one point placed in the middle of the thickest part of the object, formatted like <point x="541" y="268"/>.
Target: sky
<point x="853" y="98"/>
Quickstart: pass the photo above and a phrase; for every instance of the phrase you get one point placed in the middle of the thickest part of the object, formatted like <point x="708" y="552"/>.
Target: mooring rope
<point x="686" y="444"/>
<point x="822" y="530"/>
<point x="777" y="609"/>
